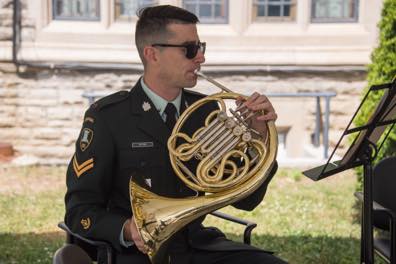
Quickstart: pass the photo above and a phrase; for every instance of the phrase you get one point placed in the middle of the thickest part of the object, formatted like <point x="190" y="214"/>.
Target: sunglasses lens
<point x="192" y="50"/>
<point x="202" y="47"/>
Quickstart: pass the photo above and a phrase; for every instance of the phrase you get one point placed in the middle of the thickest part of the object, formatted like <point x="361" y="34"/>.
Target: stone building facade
<point x="42" y="103"/>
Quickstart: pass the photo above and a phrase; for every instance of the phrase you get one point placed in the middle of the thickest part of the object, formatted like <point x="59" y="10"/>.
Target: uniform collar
<point x="147" y="117"/>
<point x="159" y="102"/>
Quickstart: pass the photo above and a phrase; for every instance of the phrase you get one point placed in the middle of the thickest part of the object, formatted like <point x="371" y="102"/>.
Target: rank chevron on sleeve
<point x="79" y="169"/>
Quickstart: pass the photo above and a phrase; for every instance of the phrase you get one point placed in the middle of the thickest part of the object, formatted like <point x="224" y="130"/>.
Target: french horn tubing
<point x="233" y="162"/>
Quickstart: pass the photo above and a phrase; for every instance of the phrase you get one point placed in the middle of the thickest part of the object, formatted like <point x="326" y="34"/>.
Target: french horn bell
<point x="233" y="162"/>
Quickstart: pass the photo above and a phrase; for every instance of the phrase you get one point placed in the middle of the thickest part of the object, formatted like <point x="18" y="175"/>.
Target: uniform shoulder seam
<point x="109" y="100"/>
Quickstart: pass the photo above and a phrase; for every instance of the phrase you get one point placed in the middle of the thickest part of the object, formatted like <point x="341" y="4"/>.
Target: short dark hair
<point x="152" y="24"/>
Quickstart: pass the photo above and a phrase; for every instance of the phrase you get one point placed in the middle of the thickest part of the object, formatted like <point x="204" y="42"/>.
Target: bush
<point x="382" y="70"/>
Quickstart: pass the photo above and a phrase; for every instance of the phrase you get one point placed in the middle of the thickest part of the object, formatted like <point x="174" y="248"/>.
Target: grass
<point x="31" y="205"/>
<point x="305" y="221"/>
<point x="301" y="220"/>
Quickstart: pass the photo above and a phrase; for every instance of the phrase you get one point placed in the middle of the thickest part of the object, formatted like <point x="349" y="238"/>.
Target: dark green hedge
<point x="382" y="70"/>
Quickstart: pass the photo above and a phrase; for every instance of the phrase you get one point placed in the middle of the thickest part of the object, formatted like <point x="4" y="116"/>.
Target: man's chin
<point x="190" y="84"/>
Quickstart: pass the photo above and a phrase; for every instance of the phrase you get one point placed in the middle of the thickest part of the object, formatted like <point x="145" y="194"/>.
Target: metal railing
<point x="320" y="126"/>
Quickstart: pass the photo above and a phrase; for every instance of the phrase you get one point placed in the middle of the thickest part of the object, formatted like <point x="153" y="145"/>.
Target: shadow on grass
<point x="39" y="248"/>
<point x="308" y="249"/>
<point x="29" y="247"/>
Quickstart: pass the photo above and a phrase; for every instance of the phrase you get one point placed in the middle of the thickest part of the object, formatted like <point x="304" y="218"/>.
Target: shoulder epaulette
<point x="110" y="100"/>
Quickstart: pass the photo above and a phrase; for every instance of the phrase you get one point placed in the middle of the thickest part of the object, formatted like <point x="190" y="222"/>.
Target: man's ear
<point x="150" y="54"/>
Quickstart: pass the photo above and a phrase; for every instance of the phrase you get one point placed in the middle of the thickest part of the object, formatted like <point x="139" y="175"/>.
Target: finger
<point x="252" y="98"/>
<point x="268" y="117"/>
<point x="239" y="100"/>
<point x="260" y="103"/>
<point x="259" y="100"/>
<point x="263" y="108"/>
<point x="137" y="239"/>
<point x="142" y="247"/>
<point x="257" y="110"/>
<point x="247" y="102"/>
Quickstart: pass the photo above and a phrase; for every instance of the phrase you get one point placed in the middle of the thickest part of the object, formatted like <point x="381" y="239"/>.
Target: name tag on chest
<point x="142" y="144"/>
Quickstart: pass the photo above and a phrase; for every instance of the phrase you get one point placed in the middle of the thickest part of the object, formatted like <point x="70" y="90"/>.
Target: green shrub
<point x="382" y="70"/>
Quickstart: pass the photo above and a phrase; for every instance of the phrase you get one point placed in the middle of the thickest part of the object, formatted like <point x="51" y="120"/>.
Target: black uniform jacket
<point x="123" y="135"/>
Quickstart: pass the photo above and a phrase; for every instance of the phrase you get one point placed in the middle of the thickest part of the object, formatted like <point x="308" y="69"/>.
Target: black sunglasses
<point x="191" y="49"/>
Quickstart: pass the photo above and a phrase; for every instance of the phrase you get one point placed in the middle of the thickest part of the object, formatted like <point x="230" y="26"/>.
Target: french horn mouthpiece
<point x="211" y="80"/>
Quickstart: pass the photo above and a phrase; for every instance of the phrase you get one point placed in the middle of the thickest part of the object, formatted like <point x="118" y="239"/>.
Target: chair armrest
<point x="249" y="226"/>
<point x="378" y="207"/>
<point x="96" y="243"/>
<point x="392" y="216"/>
<point x="63" y="226"/>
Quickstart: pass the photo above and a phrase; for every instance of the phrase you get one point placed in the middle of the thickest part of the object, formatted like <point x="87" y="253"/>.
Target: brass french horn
<point x="224" y="141"/>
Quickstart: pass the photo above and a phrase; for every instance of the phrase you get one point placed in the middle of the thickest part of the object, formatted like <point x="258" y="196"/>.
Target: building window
<point x="208" y="11"/>
<point x="126" y="10"/>
<point x="76" y="10"/>
<point x="335" y="10"/>
<point x="278" y="10"/>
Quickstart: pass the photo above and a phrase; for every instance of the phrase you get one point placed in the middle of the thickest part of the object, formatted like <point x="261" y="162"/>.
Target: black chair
<point x="70" y="253"/>
<point x="102" y="252"/>
<point x="99" y="251"/>
<point x="384" y="208"/>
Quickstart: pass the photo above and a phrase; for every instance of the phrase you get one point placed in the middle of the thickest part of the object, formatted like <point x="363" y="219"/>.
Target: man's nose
<point x="200" y="57"/>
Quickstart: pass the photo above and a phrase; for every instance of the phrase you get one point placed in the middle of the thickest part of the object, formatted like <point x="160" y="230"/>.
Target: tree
<point x="382" y="70"/>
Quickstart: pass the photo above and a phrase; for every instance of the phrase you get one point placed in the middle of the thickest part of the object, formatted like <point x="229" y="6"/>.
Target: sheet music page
<point x="386" y="96"/>
<point x="389" y="114"/>
<point x="375" y="136"/>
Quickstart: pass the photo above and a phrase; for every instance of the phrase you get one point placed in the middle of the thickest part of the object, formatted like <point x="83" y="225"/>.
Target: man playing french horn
<point x="125" y="135"/>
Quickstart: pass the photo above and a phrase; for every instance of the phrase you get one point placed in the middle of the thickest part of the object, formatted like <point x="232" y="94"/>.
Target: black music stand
<point x="363" y="150"/>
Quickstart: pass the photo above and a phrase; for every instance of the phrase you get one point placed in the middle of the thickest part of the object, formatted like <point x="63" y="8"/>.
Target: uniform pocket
<point x="141" y="158"/>
<point x="144" y="166"/>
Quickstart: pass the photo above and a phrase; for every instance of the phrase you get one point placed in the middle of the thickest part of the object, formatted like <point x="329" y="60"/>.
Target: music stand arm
<point x="367" y="156"/>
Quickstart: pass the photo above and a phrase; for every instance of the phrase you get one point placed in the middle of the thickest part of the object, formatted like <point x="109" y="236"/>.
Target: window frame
<point x="213" y="21"/>
<point x="53" y="15"/>
<point x="126" y="19"/>
<point x="243" y="41"/>
<point x="354" y="19"/>
<point x="275" y="19"/>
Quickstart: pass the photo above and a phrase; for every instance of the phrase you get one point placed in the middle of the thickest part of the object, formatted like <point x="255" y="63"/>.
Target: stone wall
<point x="6" y="17"/>
<point x="41" y="111"/>
<point x="5" y="20"/>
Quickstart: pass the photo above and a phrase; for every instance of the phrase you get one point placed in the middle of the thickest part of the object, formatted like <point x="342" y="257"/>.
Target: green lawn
<point x="301" y="220"/>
